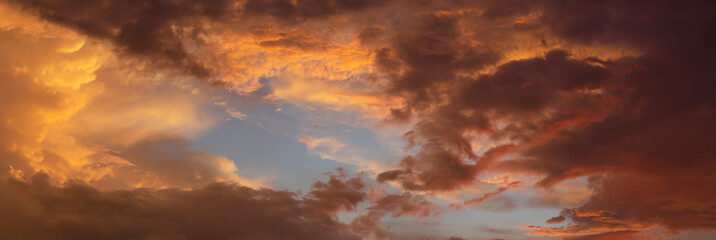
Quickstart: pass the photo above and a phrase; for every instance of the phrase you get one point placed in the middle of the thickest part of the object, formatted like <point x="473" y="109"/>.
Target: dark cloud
<point x="556" y="220"/>
<point x="643" y="123"/>
<point x="167" y="33"/>
<point x="657" y="149"/>
<point x="301" y="10"/>
<point x="294" y="42"/>
<point x="371" y="34"/>
<point x="149" y="29"/>
<point x="626" y="234"/>
<point x="437" y="169"/>
<point x="37" y="210"/>
<point x="518" y="94"/>
<point x="336" y="194"/>
<point x="630" y="203"/>
<point x="395" y="205"/>
<point x="641" y="126"/>
<point x="426" y="55"/>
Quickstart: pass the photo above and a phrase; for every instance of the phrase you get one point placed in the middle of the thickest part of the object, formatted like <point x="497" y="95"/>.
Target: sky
<point x="357" y="119"/>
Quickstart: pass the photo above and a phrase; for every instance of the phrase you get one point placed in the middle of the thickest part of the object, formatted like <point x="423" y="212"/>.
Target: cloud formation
<point x="38" y="210"/>
<point x="395" y="205"/>
<point x="640" y="125"/>
<point x="619" y="93"/>
<point x="66" y="113"/>
<point x="220" y="42"/>
<point x="151" y="29"/>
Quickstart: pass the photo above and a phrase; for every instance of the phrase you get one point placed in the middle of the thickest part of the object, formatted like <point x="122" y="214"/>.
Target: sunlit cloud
<point x="553" y="119"/>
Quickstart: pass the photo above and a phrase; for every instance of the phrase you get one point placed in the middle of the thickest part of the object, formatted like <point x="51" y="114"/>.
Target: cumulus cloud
<point x="150" y="30"/>
<point x="67" y="113"/>
<point x="639" y="124"/>
<point x="38" y="210"/>
<point x="619" y="92"/>
<point x="47" y="78"/>
<point x="216" y="41"/>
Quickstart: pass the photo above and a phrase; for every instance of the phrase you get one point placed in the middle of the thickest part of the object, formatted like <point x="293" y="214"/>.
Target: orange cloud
<point x="338" y="96"/>
<point x="620" y="93"/>
<point x="66" y="113"/>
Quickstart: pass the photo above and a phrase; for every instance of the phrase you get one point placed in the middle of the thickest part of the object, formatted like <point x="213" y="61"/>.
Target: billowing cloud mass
<point x="639" y="127"/>
<point x="37" y="210"/>
<point x="142" y="29"/>
<point x="106" y="108"/>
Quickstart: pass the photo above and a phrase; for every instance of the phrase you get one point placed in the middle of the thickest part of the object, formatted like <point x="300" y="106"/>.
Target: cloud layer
<point x="100" y="102"/>
<point x="37" y="210"/>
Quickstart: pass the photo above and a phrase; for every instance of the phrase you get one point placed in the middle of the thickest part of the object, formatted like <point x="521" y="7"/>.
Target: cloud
<point x="38" y="210"/>
<point x="218" y="42"/>
<point x="556" y="220"/>
<point x="626" y="202"/>
<point x="170" y="158"/>
<point x="493" y="194"/>
<point x="639" y="123"/>
<point x="617" y="92"/>
<point x="395" y="205"/>
<point x="67" y="112"/>
<point x="436" y="169"/>
<point x="47" y="79"/>
<point x="426" y="57"/>
<point x="337" y="194"/>
<point x="66" y="120"/>
<point x="653" y="168"/>
<point x="610" y="235"/>
<point x="297" y="11"/>
<point x="332" y="95"/>
<point x="146" y="30"/>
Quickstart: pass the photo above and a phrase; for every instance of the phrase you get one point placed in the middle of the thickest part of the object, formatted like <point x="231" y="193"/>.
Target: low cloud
<point x="38" y="210"/>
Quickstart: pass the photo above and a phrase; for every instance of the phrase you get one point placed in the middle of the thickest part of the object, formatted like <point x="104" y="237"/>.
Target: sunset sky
<point x="357" y="119"/>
